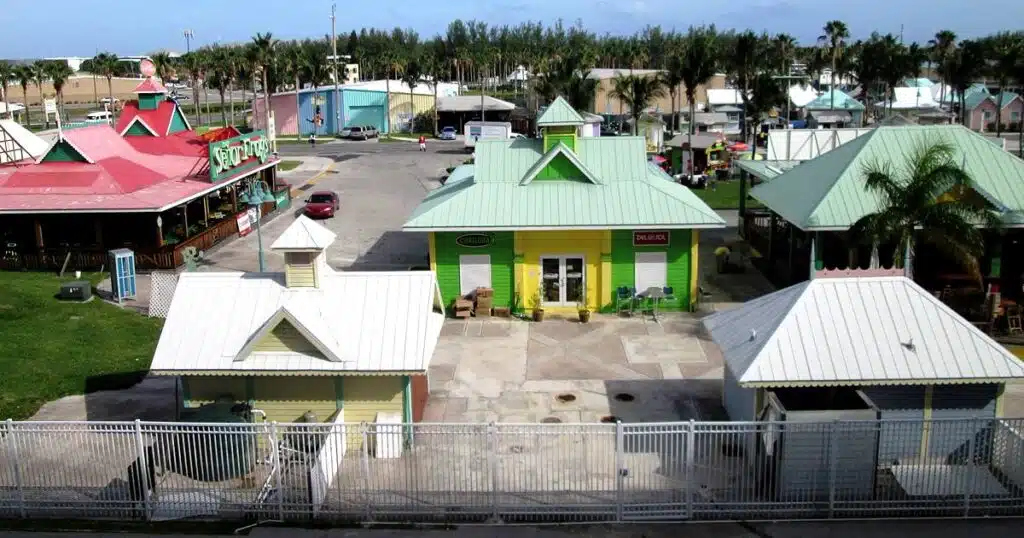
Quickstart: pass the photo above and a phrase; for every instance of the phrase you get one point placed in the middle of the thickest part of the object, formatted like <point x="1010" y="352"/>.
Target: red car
<point x="322" y="204"/>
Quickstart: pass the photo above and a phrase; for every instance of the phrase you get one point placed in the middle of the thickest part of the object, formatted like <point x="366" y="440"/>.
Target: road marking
<point x="313" y="180"/>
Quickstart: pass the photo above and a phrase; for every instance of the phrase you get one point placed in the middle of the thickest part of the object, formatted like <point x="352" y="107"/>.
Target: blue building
<point x="356" y="107"/>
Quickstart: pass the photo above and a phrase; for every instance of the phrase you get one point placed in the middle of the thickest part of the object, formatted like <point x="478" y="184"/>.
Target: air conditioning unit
<point x="77" y="290"/>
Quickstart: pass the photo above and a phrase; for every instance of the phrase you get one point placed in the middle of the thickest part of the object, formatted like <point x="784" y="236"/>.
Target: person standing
<point x="423" y="143"/>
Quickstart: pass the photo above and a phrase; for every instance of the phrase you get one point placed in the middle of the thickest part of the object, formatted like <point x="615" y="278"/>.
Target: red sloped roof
<point x="185" y="143"/>
<point x="159" y="119"/>
<point x="150" y="85"/>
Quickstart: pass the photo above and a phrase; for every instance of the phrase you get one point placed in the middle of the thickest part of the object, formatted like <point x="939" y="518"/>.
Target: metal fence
<point x="461" y="473"/>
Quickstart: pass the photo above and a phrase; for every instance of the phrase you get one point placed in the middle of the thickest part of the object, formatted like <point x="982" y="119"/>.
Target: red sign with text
<point x="657" y="238"/>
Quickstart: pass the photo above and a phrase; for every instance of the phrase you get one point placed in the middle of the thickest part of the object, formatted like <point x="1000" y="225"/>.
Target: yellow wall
<point x="286" y="399"/>
<point x="285" y="338"/>
<point x="400" y="105"/>
<point x="300" y="270"/>
<point x="365" y="396"/>
<point x="590" y="244"/>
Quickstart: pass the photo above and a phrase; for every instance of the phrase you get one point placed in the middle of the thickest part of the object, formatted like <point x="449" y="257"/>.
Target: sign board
<point x="50" y="106"/>
<point x="651" y="238"/>
<point x="238" y="154"/>
<point x="474" y="240"/>
<point x="283" y="198"/>
<point x="244" y="225"/>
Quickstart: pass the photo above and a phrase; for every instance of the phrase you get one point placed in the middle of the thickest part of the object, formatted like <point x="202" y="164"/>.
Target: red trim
<point x="420" y="394"/>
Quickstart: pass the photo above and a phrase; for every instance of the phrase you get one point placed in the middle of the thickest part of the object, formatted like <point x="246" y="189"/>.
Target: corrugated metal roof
<point x="726" y="96"/>
<point x="632" y="194"/>
<point x="372" y="321"/>
<point x="559" y="112"/>
<point x="843" y="101"/>
<point x="1008" y="98"/>
<point x="471" y="103"/>
<point x="304" y="234"/>
<point x="765" y="170"/>
<point x="828" y="193"/>
<point x="856" y="331"/>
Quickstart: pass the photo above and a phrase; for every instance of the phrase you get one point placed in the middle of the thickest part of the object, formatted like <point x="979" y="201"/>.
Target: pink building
<point x="982" y="115"/>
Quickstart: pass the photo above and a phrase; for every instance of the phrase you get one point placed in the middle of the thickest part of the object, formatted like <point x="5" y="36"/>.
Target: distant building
<point x="604" y="103"/>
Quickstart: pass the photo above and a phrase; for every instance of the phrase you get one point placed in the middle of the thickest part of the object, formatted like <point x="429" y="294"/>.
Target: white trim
<point x="673" y="226"/>
<point x="283" y="314"/>
<point x="53" y="144"/>
<point x="180" y="201"/>
<point x="176" y="110"/>
<point x="139" y="119"/>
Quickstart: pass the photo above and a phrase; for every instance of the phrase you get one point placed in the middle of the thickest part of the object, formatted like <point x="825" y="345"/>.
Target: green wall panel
<point x="178" y="122"/>
<point x="500" y="250"/>
<point x="678" y="257"/>
<point x="150" y="101"/>
<point x="561" y="168"/>
<point x="551" y="140"/>
<point x="63" y="152"/>
<point x="137" y="129"/>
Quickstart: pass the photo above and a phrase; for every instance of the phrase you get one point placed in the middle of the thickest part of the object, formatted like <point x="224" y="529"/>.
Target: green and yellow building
<point x="563" y="221"/>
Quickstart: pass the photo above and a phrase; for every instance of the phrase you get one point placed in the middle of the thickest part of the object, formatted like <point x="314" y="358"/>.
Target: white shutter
<point x="651" y="270"/>
<point x="474" y="272"/>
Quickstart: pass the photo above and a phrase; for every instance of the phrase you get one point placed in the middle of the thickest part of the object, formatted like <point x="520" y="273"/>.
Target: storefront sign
<point x="474" y="240"/>
<point x="244" y="225"/>
<point x="283" y="198"/>
<point x="651" y="238"/>
<point x="237" y="154"/>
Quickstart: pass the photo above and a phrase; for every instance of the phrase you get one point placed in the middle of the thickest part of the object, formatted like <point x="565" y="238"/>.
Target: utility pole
<point x="483" y="90"/>
<point x="334" y="61"/>
<point x="188" y="40"/>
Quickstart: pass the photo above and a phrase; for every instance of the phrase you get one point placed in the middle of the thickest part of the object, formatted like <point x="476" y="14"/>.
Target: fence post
<point x="143" y="462"/>
<point x="365" y="460"/>
<point x="969" y="482"/>
<point x="492" y="455"/>
<point x="275" y="454"/>
<point x="833" y="462"/>
<point x="691" y="443"/>
<point x="12" y="449"/>
<point x="620" y="471"/>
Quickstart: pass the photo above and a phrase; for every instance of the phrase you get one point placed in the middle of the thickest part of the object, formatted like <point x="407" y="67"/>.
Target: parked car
<point x="101" y="115"/>
<point x="322" y="204"/>
<point x="107" y="101"/>
<point x="448" y="133"/>
<point x="362" y="132"/>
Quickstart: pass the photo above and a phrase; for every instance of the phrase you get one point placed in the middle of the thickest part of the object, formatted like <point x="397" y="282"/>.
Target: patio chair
<point x="626" y="300"/>
<point x="1013" y="320"/>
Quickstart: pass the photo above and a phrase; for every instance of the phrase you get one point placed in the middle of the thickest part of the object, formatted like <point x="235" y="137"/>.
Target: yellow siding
<point x="606" y="268"/>
<point x="400" y="105"/>
<point x="286" y="399"/>
<point x="365" y="396"/>
<point x="694" y="249"/>
<point x="300" y="270"/>
<point x="285" y="337"/>
<point x="201" y="390"/>
<point x="519" y="272"/>
<point x="558" y="243"/>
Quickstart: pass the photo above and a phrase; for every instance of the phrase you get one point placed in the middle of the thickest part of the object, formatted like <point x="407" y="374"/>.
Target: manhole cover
<point x="609" y="419"/>
<point x="566" y="398"/>
<point x="624" y="397"/>
<point x="551" y="420"/>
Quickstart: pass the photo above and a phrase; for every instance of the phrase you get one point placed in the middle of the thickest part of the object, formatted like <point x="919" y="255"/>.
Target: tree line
<point x="558" y="57"/>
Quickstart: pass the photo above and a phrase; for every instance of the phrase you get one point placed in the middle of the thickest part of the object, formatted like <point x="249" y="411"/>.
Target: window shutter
<point x="651" y="270"/>
<point x="474" y="272"/>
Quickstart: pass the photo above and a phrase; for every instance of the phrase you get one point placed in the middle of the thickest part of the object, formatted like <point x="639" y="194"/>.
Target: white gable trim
<point x="139" y="120"/>
<point x="58" y="140"/>
<point x="177" y="110"/>
<point x="283" y="314"/>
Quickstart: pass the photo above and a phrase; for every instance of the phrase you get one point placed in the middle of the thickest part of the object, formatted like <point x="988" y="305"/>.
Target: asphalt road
<point x="342" y="147"/>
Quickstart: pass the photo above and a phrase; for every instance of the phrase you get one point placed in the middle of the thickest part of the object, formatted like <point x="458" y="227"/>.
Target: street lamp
<point x="188" y="40"/>
<point x="258" y="193"/>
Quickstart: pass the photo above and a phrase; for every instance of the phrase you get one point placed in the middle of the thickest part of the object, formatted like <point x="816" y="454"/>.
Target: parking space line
<point x="312" y="181"/>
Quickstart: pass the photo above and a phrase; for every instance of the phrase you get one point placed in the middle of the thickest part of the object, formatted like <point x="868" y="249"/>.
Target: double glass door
<point x="562" y="280"/>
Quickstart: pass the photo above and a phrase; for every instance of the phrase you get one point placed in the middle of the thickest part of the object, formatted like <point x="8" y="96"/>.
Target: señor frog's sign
<point x="228" y="157"/>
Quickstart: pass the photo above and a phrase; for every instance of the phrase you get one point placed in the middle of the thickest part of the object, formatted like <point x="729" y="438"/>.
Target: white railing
<point x="564" y="473"/>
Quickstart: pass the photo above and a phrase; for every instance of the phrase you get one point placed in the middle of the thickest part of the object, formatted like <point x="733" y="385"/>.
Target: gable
<point x="63" y="152"/>
<point x="178" y="121"/>
<point x="137" y="129"/>
<point x="560" y="163"/>
<point x="561" y="167"/>
<point x="286" y="338"/>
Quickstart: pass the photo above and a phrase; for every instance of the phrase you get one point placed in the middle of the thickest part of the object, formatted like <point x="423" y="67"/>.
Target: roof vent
<point x="753" y="334"/>
<point x="909" y="345"/>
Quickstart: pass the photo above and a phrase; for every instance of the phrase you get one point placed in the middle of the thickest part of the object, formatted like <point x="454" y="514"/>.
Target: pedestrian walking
<point x="423" y="143"/>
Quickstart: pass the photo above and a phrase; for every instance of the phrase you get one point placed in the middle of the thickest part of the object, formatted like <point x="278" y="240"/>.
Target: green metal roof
<point x="975" y="95"/>
<point x="828" y="193"/>
<point x="765" y="170"/>
<point x="1008" y="98"/>
<point x="843" y="102"/>
<point x="630" y="193"/>
<point x="560" y="112"/>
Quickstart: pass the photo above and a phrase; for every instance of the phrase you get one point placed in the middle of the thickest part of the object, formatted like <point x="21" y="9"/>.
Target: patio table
<point x="655" y="295"/>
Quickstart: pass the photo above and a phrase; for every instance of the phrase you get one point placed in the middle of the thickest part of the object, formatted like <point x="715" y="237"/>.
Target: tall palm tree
<point x="834" y="39"/>
<point x="105" y="64"/>
<point x="163" y="64"/>
<point x="912" y="210"/>
<point x="1005" y="49"/>
<point x="193" y="65"/>
<point x="673" y="77"/>
<point x="219" y="78"/>
<point x="638" y="92"/>
<point x="748" y="54"/>
<point x="965" y="65"/>
<point x="433" y="65"/>
<point x="411" y="76"/>
<point x="699" y="63"/>
<point x="39" y="77"/>
<point x="765" y="94"/>
<point x="293" y="66"/>
<point x="942" y="45"/>
<point x="264" y="55"/>
<point x="23" y="74"/>
<point x="6" y="75"/>
<point x="59" y="72"/>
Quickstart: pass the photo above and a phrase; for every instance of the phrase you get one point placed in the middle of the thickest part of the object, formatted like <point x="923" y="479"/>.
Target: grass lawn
<point x="51" y="349"/>
<point x="725" y="195"/>
<point x="285" y="166"/>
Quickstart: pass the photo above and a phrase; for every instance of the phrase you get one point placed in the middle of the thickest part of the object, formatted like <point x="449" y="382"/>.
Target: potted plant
<point x="582" y="309"/>
<point x="538" y="311"/>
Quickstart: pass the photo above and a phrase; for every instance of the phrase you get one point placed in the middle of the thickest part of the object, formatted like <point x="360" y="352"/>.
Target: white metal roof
<point x="801" y="95"/>
<point x="907" y="98"/>
<point x="360" y="322"/>
<point x="470" y="103"/>
<point x="856" y="331"/>
<point x="17" y="141"/>
<point x="304" y="234"/>
<point x="727" y="96"/>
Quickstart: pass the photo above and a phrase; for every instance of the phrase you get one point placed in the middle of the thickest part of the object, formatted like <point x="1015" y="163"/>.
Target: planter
<point x="584" y="316"/>
<point x="538" y="314"/>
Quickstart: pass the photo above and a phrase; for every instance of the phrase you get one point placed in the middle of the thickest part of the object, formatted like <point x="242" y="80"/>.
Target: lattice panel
<point x="161" y="292"/>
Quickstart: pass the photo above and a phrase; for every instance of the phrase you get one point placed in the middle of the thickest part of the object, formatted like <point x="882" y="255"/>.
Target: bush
<point x="1013" y="126"/>
<point x="990" y="126"/>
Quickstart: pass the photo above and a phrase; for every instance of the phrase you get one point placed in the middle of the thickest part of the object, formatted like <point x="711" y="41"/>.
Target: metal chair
<point x="1013" y="320"/>
<point x="625" y="297"/>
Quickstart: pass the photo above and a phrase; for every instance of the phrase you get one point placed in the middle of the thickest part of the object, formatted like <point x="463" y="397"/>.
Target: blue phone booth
<point x="122" y="274"/>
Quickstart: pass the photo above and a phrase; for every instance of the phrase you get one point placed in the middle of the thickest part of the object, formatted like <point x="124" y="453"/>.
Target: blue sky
<point x="127" y="27"/>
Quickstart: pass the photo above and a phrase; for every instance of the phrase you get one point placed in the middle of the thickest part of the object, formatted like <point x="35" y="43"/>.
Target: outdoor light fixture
<point x="257" y="194"/>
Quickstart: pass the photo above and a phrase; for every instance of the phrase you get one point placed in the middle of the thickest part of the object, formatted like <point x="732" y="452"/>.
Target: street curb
<point x="311" y="181"/>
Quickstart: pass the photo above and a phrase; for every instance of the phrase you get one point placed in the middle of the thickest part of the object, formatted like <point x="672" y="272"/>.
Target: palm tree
<point x="193" y="65"/>
<point x="293" y="65"/>
<point x="411" y="76"/>
<point x="162" y="63"/>
<point x="39" y="78"/>
<point x="637" y="92"/>
<point x="105" y="64"/>
<point x="6" y="74"/>
<point x="59" y="73"/>
<point x="673" y="77"/>
<point x="23" y="74"/>
<point x="1005" y="48"/>
<point x="747" y="55"/>
<point x="698" y="65"/>
<point x="965" y="65"/>
<point x="765" y="94"/>
<point x="433" y="65"/>
<point x="912" y="210"/>
<point x="219" y="78"/>
<point x="264" y="57"/>
<point x="834" y="39"/>
<point x="942" y="45"/>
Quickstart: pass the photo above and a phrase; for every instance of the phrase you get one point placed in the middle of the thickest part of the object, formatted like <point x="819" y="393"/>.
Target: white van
<point x="102" y="115"/>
